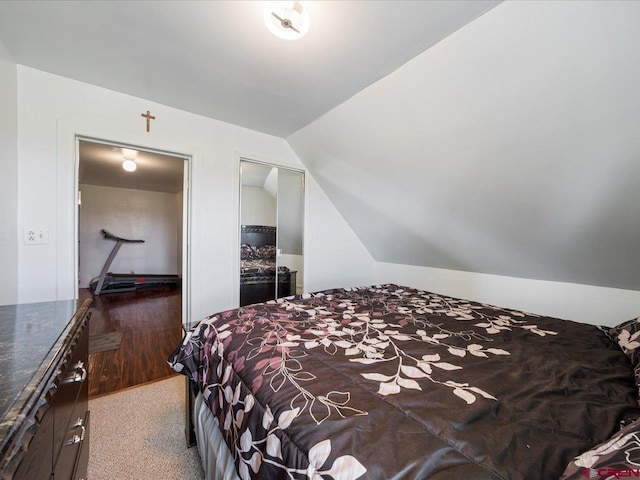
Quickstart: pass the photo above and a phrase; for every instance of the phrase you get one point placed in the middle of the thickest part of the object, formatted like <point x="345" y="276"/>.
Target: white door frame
<point x="186" y="216"/>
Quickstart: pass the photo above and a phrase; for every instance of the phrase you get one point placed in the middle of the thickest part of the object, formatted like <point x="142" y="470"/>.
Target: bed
<point x="390" y="382"/>
<point x="258" y="277"/>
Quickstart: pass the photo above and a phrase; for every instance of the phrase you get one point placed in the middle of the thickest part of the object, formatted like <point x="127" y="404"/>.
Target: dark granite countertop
<point x="31" y="336"/>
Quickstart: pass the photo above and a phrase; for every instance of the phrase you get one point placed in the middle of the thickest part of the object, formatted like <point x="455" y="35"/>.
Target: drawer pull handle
<point x="78" y="438"/>
<point x="80" y="374"/>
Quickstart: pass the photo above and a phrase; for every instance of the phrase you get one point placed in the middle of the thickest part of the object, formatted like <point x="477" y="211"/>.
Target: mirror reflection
<point x="271" y="232"/>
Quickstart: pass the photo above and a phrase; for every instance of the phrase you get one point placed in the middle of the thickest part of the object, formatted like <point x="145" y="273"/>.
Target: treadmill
<point x="109" y="282"/>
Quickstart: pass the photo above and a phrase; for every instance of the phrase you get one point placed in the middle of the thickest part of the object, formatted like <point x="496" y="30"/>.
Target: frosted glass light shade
<point x="129" y="165"/>
<point x="287" y="20"/>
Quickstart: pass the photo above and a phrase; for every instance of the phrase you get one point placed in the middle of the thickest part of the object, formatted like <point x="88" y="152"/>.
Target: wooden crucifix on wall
<point x="149" y="117"/>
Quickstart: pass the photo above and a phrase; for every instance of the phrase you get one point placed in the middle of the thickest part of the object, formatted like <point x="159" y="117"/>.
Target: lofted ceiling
<point x="218" y="59"/>
<point x="512" y="147"/>
<point x="471" y="135"/>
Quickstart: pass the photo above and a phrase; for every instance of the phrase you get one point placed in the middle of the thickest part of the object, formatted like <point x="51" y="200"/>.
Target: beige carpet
<point x="139" y="434"/>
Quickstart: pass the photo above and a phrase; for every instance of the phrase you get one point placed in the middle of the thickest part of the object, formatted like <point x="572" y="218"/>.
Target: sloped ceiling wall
<point x="512" y="147"/>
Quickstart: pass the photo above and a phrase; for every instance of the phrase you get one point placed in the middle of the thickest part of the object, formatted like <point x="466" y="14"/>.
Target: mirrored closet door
<point x="271" y="232"/>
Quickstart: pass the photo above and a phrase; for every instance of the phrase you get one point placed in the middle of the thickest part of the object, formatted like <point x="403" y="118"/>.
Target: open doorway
<point x="132" y="215"/>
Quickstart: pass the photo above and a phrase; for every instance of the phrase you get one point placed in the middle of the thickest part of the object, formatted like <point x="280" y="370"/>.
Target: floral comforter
<point x="389" y="382"/>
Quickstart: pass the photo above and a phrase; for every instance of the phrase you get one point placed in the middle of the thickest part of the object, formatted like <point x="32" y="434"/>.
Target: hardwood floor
<point x="150" y="321"/>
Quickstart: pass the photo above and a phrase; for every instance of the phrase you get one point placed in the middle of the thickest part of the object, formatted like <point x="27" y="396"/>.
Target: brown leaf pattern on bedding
<point x="627" y="336"/>
<point x="343" y="327"/>
<point x="236" y="410"/>
<point x="258" y="368"/>
<point x="617" y="457"/>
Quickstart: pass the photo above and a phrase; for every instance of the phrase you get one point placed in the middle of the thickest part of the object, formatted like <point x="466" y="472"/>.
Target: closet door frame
<point x="271" y="164"/>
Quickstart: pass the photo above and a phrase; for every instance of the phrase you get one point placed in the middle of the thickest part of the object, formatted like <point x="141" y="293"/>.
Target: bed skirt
<point x="216" y="457"/>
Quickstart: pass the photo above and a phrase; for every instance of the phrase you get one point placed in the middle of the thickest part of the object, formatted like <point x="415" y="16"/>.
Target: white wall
<point x="52" y="109"/>
<point x="511" y="147"/>
<point x="290" y="200"/>
<point x="137" y="214"/>
<point x="179" y="199"/>
<point x="581" y="303"/>
<point x="258" y="207"/>
<point x="8" y="179"/>
<point x="333" y="254"/>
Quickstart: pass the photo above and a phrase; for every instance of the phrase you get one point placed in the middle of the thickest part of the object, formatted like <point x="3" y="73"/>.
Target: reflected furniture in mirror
<point x="271" y="232"/>
<point x="259" y="274"/>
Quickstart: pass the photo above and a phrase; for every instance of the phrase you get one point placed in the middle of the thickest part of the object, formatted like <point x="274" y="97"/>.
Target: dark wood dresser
<point x="44" y="407"/>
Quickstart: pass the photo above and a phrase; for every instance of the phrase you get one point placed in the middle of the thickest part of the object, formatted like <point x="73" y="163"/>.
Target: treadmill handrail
<point x="112" y="255"/>
<point x="119" y="239"/>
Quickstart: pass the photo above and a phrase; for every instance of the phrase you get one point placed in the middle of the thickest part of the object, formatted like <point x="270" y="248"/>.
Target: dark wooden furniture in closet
<point x="263" y="288"/>
<point x="44" y="407"/>
<point x="258" y="287"/>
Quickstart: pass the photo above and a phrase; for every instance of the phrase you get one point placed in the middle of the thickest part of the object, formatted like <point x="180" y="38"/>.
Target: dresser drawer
<point x="82" y="457"/>
<point x="45" y="440"/>
<point x="37" y="462"/>
<point x="72" y="381"/>
<point x="72" y="460"/>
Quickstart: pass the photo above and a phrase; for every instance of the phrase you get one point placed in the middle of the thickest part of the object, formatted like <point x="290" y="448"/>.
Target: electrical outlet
<point x="36" y="236"/>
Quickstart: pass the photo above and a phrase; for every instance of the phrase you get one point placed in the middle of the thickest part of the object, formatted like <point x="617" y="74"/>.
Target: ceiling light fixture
<point x="287" y="20"/>
<point x="129" y="165"/>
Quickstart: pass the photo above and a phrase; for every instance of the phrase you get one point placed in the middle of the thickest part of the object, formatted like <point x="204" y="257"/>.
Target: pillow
<point x="266" y="252"/>
<point x="246" y="252"/>
<point x="627" y="336"/>
<point x="617" y="457"/>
